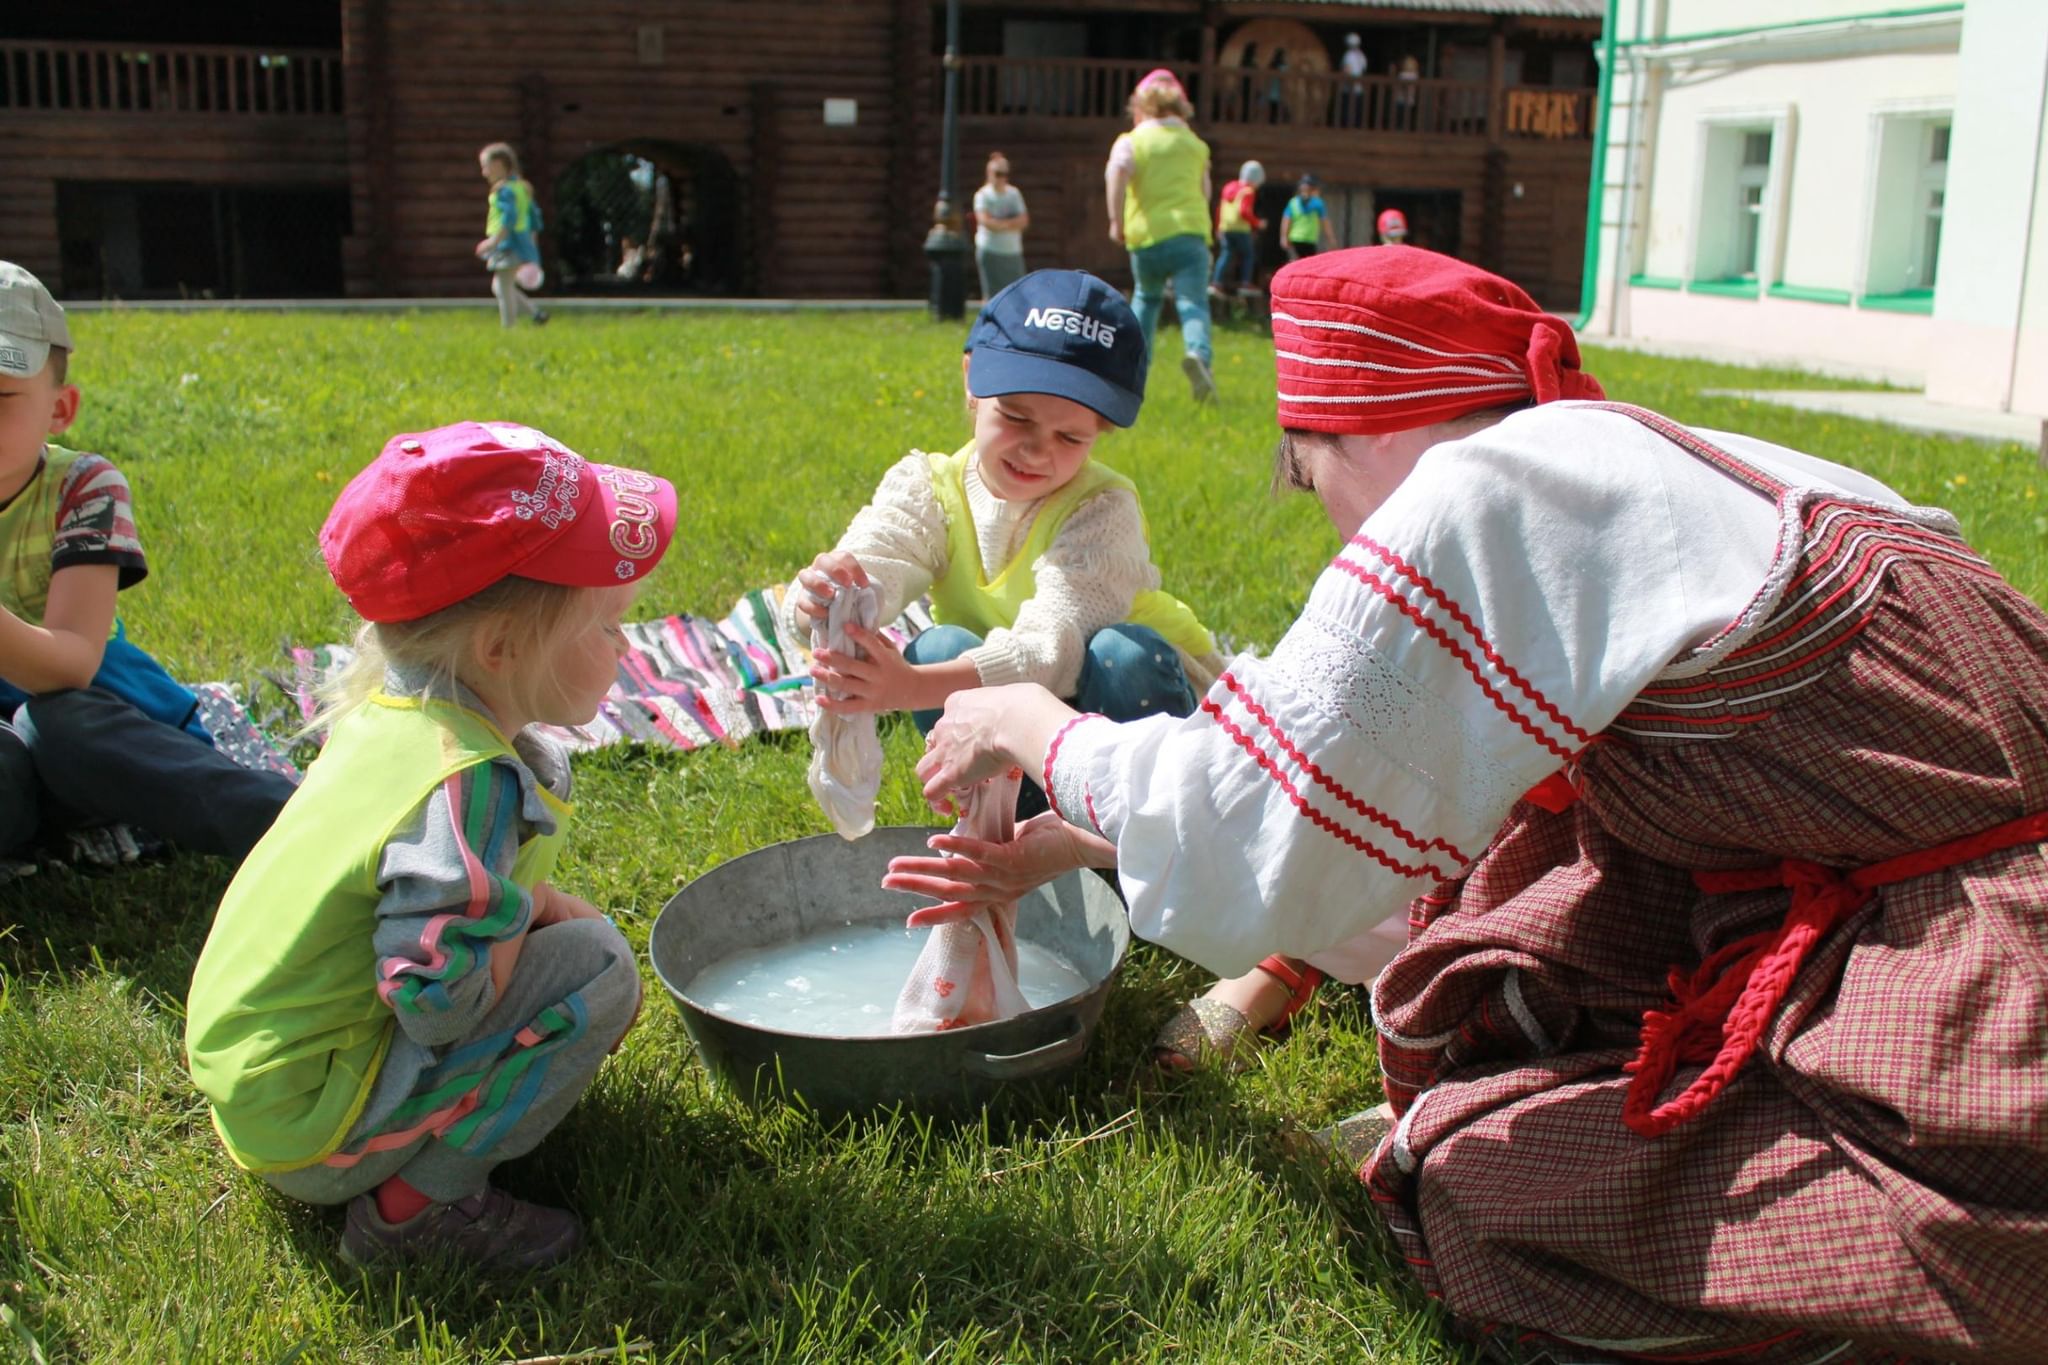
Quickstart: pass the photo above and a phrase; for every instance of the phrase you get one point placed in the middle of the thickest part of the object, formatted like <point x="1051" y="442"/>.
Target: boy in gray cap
<point x="92" y="729"/>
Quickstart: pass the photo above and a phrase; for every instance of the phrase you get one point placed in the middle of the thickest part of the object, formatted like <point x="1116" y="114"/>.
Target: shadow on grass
<point x="143" y="920"/>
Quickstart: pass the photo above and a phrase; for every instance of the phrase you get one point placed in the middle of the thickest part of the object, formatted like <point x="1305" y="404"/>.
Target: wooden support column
<point x="366" y="92"/>
<point x="1494" y="190"/>
<point x="1211" y="96"/>
<point x="537" y="144"/>
<point x="901" y="202"/>
<point x="763" y="271"/>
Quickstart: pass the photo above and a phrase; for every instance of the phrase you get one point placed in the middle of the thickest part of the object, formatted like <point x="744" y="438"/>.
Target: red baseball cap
<point x="441" y="515"/>
<point x="1393" y="222"/>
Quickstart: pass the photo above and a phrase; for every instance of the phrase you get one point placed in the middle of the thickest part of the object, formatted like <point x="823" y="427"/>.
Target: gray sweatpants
<point x="585" y="959"/>
<point x="512" y="300"/>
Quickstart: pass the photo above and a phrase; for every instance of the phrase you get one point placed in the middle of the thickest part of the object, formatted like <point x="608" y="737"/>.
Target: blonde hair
<point x="531" y="617"/>
<point x="502" y="151"/>
<point x="1157" y="99"/>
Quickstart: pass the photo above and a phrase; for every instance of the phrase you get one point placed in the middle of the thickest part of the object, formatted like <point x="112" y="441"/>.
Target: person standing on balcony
<point x="1158" y="194"/>
<point x="1351" y="105"/>
<point x="999" y="222"/>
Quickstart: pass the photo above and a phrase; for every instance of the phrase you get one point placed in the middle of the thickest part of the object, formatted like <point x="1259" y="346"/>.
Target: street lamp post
<point x="945" y="247"/>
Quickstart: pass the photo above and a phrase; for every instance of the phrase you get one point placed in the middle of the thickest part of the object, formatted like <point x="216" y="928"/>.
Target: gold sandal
<point x="1204" y="1031"/>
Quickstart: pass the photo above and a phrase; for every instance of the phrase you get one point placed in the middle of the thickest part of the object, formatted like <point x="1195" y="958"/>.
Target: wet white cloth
<point x="846" y="754"/>
<point x="967" y="973"/>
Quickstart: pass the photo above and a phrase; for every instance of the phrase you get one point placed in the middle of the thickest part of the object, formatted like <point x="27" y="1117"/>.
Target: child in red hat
<point x="394" y="998"/>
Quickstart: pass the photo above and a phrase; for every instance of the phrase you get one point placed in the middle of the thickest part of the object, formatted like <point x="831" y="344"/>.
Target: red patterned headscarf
<point x="1385" y="338"/>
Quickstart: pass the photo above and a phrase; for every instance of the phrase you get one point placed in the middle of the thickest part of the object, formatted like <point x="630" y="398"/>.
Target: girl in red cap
<point x="394" y="997"/>
<point x="1704" y="780"/>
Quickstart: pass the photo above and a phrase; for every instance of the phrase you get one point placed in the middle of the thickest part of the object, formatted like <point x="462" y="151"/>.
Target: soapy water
<point x="842" y="981"/>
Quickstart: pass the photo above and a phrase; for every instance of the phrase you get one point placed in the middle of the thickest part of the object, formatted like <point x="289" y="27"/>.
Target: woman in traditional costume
<point x="1712" y="779"/>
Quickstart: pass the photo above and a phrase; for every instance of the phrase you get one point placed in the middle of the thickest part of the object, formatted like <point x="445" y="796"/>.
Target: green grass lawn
<point x="1129" y="1222"/>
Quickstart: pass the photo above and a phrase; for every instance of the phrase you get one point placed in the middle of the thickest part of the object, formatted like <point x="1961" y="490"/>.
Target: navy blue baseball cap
<point x="1062" y="332"/>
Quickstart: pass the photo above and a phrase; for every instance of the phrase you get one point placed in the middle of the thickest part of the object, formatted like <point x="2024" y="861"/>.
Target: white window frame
<point x="1781" y="122"/>
<point x="1927" y="112"/>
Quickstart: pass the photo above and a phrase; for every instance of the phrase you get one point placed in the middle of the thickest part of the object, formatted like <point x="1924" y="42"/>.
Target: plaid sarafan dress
<point x="1809" y="869"/>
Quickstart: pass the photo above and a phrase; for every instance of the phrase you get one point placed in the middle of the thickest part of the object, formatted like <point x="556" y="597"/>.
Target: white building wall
<point x="1850" y="90"/>
<point x="1982" y="307"/>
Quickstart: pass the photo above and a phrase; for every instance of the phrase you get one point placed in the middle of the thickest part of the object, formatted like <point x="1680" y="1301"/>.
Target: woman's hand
<point x="980" y="873"/>
<point x="984" y="731"/>
<point x="850" y="686"/>
<point x="828" y="573"/>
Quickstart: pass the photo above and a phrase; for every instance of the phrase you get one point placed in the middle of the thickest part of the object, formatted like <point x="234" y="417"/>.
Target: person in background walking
<point x="1306" y="221"/>
<point x="999" y="222"/>
<point x="510" y="249"/>
<point x="1236" y="221"/>
<point x="1157" y="184"/>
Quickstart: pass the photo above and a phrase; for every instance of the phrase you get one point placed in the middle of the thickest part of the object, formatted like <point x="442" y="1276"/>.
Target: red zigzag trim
<point x="1457" y="613"/>
<point x="1314" y="816"/>
<point x="1329" y="784"/>
<point x="1457" y="651"/>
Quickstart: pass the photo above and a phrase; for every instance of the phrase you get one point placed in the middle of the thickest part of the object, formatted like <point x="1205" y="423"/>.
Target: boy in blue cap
<point x="1035" y="554"/>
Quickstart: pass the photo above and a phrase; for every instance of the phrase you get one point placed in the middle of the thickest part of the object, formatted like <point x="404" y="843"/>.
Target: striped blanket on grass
<point x="686" y="682"/>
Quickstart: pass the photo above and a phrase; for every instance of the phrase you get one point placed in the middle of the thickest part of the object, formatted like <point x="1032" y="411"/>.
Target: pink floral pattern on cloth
<point x="967" y="973"/>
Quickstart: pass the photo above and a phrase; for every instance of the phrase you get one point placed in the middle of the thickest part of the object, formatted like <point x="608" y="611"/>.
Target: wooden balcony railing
<point x="129" y="78"/>
<point x="1076" y="88"/>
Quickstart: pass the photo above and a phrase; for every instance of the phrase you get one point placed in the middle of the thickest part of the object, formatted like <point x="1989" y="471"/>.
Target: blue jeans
<point x="1236" y="250"/>
<point x="1130" y="672"/>
<point x="88" y="757"/>
<point x="1185" y="261"/>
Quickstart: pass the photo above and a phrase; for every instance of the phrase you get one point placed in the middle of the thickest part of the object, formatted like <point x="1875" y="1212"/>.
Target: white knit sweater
<point x="1087" y="578"/>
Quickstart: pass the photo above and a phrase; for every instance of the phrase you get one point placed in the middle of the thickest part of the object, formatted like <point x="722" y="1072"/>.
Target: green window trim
<point x="1791" y="26"/>
<point x="1655" y="282"/>
<point x="1728" y="289"/>
<point x="1906" y="301"/>
<point x="1807" y="294"/>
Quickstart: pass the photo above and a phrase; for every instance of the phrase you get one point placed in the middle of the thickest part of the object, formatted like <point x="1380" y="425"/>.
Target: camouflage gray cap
<point x="31" y="322"/>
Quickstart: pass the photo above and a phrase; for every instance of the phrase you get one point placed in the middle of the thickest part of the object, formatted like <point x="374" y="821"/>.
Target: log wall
<point x="37" y="150"/>
<point x="745" y="83"/>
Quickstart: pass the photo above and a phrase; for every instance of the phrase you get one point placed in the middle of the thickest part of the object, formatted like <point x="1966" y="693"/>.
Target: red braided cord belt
<point x="1724" y="1006"/>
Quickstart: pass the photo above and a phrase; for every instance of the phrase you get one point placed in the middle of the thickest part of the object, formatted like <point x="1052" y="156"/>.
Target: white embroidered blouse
<point x="1502" y="607"/>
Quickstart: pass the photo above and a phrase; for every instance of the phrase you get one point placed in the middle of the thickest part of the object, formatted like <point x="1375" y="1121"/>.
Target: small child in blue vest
<point x="93" y="731"/>
<point x="1036" y="555"/>
<point x="394" y="997"/>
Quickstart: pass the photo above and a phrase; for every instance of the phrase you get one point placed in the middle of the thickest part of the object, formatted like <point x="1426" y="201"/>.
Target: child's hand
<point x="828" y="573"/>
<point x="980" y="873"/>
<point x="883" y="681"/>
<point x="483" y="248"/>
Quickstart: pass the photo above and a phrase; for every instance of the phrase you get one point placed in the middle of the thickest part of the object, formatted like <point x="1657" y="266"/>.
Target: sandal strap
<point x="1301" y="982"/>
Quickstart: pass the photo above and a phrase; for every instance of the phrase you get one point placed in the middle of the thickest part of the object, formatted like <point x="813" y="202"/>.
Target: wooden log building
<point x="771" y="148"/>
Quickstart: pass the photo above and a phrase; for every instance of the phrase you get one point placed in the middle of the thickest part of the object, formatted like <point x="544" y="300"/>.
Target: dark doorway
<point x="154" y="241"/>
<point x="650" y="217"/>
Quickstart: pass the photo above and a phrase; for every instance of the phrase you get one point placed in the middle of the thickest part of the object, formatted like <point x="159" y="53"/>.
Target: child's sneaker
<point x="1200" y="382"/>
<point x="540" y="317"/>
<point x="491" y="1228"/>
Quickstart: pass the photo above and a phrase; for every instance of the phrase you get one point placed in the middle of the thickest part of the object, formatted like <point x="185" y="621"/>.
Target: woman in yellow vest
<point x="394" y="998"/>
<point x="1158" y="193"/>
<point x="1036" y="556"/>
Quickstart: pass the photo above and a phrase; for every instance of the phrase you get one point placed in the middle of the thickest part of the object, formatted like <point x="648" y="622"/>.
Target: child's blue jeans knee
<point x="1130" y="672"/>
